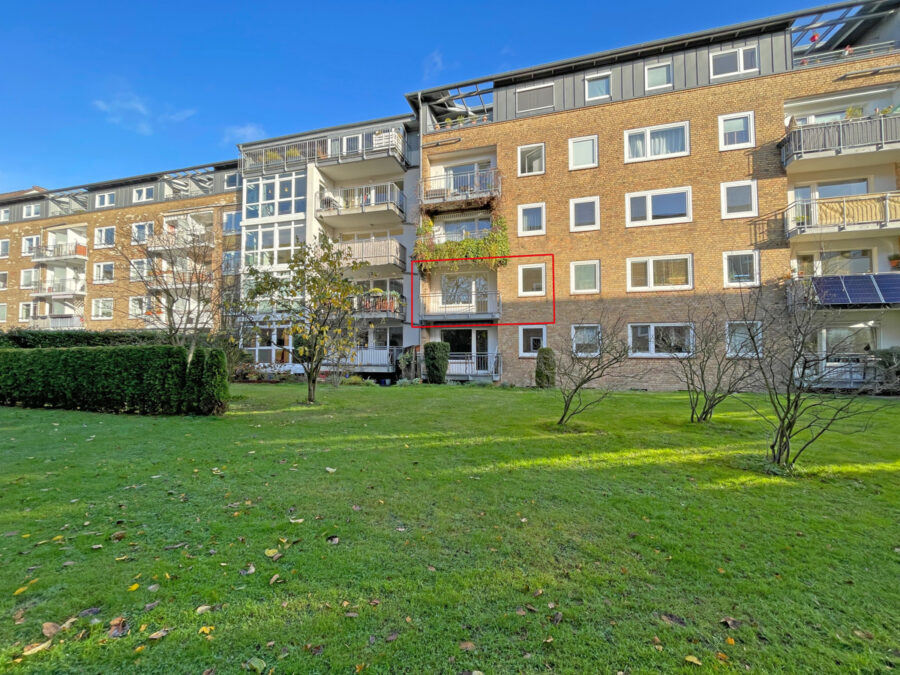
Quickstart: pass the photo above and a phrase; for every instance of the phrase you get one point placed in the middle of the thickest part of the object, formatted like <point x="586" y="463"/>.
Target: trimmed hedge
<point x="545" y="368"/>
<point x="437" y="358"/>
<point x="147" y="380"/>
<point x="41" y="339"/>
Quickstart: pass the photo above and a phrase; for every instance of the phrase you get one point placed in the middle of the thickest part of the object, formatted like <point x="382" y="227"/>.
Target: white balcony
<point x="60" y="288"/>
<point x="840" y="144"/>
<point x="382" y="204"/>
<point x="383" y="256"/>
<point x="58" y="322"/>
<point x="484" y="305"/>
<point x="60" y="252"/>
<point x="461" y="189"/>
<point x="814" y="217"/>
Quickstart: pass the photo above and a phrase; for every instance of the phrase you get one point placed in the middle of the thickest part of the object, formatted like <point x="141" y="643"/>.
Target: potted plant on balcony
<point x="894" y="261"/>
<point x="853" y="112"/>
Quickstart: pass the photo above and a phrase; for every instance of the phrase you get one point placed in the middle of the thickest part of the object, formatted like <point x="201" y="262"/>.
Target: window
<point x="137" y="307"/>
<point x="101" y="308"/>
<point x="270" y="245"/>
<point x="586" y="339"/>
<point x="105" y="199"/>
<point x="4" y="248"/>
<point x="103" y="272"/>
<point x="231" y="222"/>
<point x="231" y="262"/>
<point x="3" y="313"/>
<point x="531" y="219"/>
<point x="596" y="87"/>
<point x="539" y="97"/>
<point x="31" y="210"/>
<point x="140" y="232"/>
<point x="144" y="194"/>
<point x="532" y="279"/>
<point x="531" y="159"/>
<point x="26" y="311"/>
<point x="741" y="268"/>
<point x="531" y="338"/>
<point x="4" y="215"/>
<point x="584" y="214"/>
<point x="660" y="273"/>
<point x="585" y="276"/>
<point x="743" y="339"/>
<point x="739" y="199"/>
<point x="658" y="207"/>
<point x="232" y="181"/>
<point x="104" y="237"/>
<point x="658" y="76"/>
<point x="29" y="278"/>
<point x="30" y="243"/>
<point x="4" y="281"/>
<point x="659" y="142"/>
<point x="853" y="261"/>
<point x="139" y="270"/>
<point x="582" y="152"/>
<point x="275" y="195"/>
<point x="470" y="226"/>
<point x="736" y="131"/>
<point x="733" y="62"/>
<point x="660" y="339"/>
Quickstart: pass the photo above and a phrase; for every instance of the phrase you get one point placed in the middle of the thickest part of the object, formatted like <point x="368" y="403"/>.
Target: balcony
<point x="58" y="322"/>
<point x="845" y="143"/>
<point x="472" y="366"/>
<point x="60" y="287"/>
<point x="60" y="252"/>
<point x="814" y="217"/>
<point x="460" y="190"/>
<point x="180" y="240"/>
<point x="808" y="59"/>
<point x="375" y="359"/>
<point x="383" y="204"/>
<point x="461" y="307"/>
<point x="379" y="306"/>
<point x="844" y="371"/>
<point x="383" y="256"/>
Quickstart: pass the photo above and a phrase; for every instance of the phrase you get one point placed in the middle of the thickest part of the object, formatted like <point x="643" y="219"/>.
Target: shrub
<point x="146" y="379"/>
<point x="213" y="394"/>
<point x="545" y="368"/>
<point x="437" y="358"/>
<point x="36" y="339"/>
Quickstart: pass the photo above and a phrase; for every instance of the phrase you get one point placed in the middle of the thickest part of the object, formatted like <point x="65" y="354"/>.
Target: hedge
<point x="147" y="380"/>
<point x="437" y="358"/>
<point x="545" y="368"/>
<point x="36" y="339"/>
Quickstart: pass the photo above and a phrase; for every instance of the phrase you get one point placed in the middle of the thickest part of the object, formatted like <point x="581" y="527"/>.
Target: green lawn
<point x="472" y="536"/>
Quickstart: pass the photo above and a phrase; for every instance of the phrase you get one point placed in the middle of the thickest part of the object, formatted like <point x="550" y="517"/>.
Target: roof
<point x="19" y="193"/>
<point x="406" y="117"/>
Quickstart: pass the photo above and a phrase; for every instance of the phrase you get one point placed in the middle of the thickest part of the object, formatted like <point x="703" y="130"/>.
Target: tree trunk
<point x="311" y="380"/>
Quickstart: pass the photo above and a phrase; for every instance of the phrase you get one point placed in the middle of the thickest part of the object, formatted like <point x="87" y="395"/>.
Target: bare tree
<point x="811" y="386"/>
<point x="584" y="359"/>
<point x="712" y="369"/>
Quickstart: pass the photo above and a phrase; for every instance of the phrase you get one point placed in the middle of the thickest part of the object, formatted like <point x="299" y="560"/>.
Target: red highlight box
<point x="412" y="286"/>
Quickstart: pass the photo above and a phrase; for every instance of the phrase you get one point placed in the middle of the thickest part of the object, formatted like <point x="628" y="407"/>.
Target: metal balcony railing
<point x="876" y="132"/>
<point x="871" y="211"/>
<point x="362" y="198"/>
<point x="375" y="357"/>
<point x="838" y="55"/>
<point x="59" y="251"/>
<point x="61" y="322"/>
<point x="179" y="240"/>
<point x="378" y="252"/>
<point x="379" y="304"/>
<point x="467" y="364"/>
<point x="842" y="371"/>
<point x="460" y="186"/>
<point x="59" y="286"/>
<point x="460" y="235"/>
<point x="485" y="304"/>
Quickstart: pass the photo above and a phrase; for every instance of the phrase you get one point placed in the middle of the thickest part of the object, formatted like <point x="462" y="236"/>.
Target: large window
<point x="532" y="280"/>
<point x="4" y="281"/>
<point x="231" y="222"/>
<point x="660" y="339"/>
<point x="738" y="199"/>
<point x="30" y="243"/>
<point x="139" y="270"/>
<point x="539" y="97"/>
<point x="4" y="215"/>
<point x="460" y="289"/>
<point x="659" y="142"/>
<point x="743" y="339"/>
<point x="137" y="307"/>
<point x="232" y="181"/>
<point x="141" y="232"/>
<point x="231" y="262"/>
<point x="143" y="194"/>
<point x="584" y="214"/>
<point x="29" y="278"/>
<point x="584" y="277"/>
<point x="852" y="261"/>
<point x="596" y="87"/>
<point x="101" y="309"/>
<point x="658" y="76"/>
<point x="105" y="199"/>
<point x="531" y="338"/>
<point x="658" y="207"/>
<point x="660" y="273"/>
<point x="459" y="227"/>
<point x="4" y="248"/>
<point x="736" y="131"/>
<point x="272" y="196"/>
<point x="103" y="272"/>
<point x="741" y="268"/>
<point x="104" y="237"/>
<point x="531" y="159"/>
<point x="582" y="152"/>
<point x="531" y="219"/>
<point x="31" y="210"/>
<point x="586" y="339"/>
<point x="733" y="62"/>
<point x="26" y="311"/>
<point x="3" y="313"/>
<point x="272" y="244"/>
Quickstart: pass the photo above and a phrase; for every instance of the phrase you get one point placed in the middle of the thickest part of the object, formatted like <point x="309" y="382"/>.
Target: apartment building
<point x="704" y="164"/>
<point x="355" y="184"/>
<point x="80" y="257"/>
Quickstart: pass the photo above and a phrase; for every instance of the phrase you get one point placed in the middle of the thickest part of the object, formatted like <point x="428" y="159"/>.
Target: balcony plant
<point x="494" y="246"/>
<point x="273" y="156"/>
<point x="894" y="261"/>
<point x="853" y="112"/>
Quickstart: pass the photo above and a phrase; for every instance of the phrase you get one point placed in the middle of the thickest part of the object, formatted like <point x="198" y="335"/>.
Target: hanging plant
<point x="494" y="245"/>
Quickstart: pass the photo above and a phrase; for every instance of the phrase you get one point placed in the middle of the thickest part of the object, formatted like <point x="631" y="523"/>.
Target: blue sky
<point x="100" y="90"/>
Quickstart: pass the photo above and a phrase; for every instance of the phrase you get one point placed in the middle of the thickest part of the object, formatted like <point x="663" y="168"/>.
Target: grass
<point x="459" y="510"/>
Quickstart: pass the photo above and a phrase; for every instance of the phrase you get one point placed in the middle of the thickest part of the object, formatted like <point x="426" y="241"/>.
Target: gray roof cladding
<point x="406" y="118"/>
<point x="643" y="49"/>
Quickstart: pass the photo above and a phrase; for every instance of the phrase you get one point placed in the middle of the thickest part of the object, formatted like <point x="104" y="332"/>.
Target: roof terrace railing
<point x="849" y="52"/>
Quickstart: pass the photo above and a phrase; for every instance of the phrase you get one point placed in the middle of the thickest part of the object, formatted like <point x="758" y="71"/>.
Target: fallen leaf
<point x="133" y="587"/>
<point x="548" y="639"/>
<point x="432" y="568"/>
<point x="521" y="611"/>
<point x="250" y="569"/>
<point x="172" y="547"/>
<point x="89" y="612"/>
<point x="21" y="590"/>
<point x="356" y="507"/>
<point x="271" y="552"/>
<point x="153" y="588"/>
<point x="690" y="658"/>
<point x="858" y="633"/>
<point x="150" y="605"/>
<point x="556" y="618"/>
<point x="722" y="656"/>
<point x="314" y="649"/>
<point x="206" y="630"/>
<point x="531" y="608"/>
<point x="333" y="539"/>
<point x="68" y="623"/>
<point x="202" y="609"/>
<point x="730" y="622"/>
<point x="158" y="635"/>
<point x="140" y="648"/>
<point x="374" y="603"/>
<point x="118" y="627"/>
<point x="118" y="536"/>
<point x="274" y="578"/>
<point x="467" y="646"/>
<point x="351" y="615"/>
<point x="329" y="469"/>
<point x="49" y="629"/>
<point x="36" y="647"/>
<point x="729" y="640"/>
<point x="393" y="636"/>
<point x="673" y="620"/>
<point x="97" y="546"/>
<point x="538" y="593"/>
<point x="68" y="563"/>
<point x="19" y="615"/>
<point x="256" y="664"/>
<point x="295" y="520"/>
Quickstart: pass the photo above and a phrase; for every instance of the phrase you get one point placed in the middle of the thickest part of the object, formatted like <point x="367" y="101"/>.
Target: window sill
<point x="661" y="289"/>
<point x="584" y="228"/>
<point x="738" y="216"/>
<point x="532" y="234"/>
<point x="100" y="282"/>
<point x="671" y="221"/>
<point x="101" y="318"/>
<point x="542" y="294"/>
<point x="526" y="175"/>
<point x="656" y="356"/>
<point x="99" y="246"/>
<point x="527" y="356"/>
<point x="741" y="146"/>
<point x="591" y="292"/>
<point x="586" y="166"/>
<point x="747" y="284"/>
<point x="637" y="160"/>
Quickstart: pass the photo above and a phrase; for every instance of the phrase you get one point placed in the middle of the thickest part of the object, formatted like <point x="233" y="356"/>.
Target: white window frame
<point x="592" y="291"/>
<point x="530" y="355"/>
<point x="96" y="303"/>
<point x="579" y="354"/>
<point x="35" y="278"/>
<point x="232" y="233"/>
<point x="105" y="200"/>
<point x="733" y="355"/>
<point x="133" y="273"/>
<point x="652" y="339"/>
<point x="4" y="215"/>
<point x="594" y="164"/>
<point x="659" y="87"/>
<point x="31" y="210"/>
<point x="148" y="229"/>
<point x="5" y="276"/>
<point x="543" y="208"/>
<point x="543" y="291"/>
<point x="131" y="299"/>
<point x="647" y="130"/>
<point x="584" y="200"/>
<point x="100" y="265"/>
<point x="2" y="254"/>
<point x="237" y="181"/>
<point x="144" y="198"/>
<point x="31" y="314"/>
<point x="5" y="314"/>
<point x="598" y="76"/>
<point x="651" y="287"/>
<point x="737" y="146"/>
<point x="648" y="194"/>
<point x="740" y="284"/>
<point x="32" y="237"/>
<point x="741" y="70"/>
<point x="723" y="189"/>
<point x="104" y="229"/>
<point x="543" y="158"/>
<point x="552" y="86"/>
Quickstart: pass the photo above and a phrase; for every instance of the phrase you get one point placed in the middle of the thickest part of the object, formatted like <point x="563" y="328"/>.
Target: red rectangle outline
<point x="412" y="291"/>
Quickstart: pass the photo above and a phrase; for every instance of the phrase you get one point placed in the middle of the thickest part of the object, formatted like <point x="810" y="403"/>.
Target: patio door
<point x="481" y="350"/>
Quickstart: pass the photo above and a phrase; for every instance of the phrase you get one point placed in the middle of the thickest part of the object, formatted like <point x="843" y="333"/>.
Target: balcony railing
<point x="460" y="186"/>
<point x="461" y="235"/>
<point x="60" y="286"/>
<point x="860" y="212"/>
<point x="838" y="55"/>
<point x="874" y="132"/>
<point x="361" y="199"/>
<point x="843" y="371"/>
<point x="381" y="305"/>
<point x="179" y="240"/>
<point x="466" y="364"/>
<point x="61" y="322"/>
<point x="482" y="304"/>
<point x="59" y="251"/>
<point x="378" y="252"/>
<point x="375" y="357"/>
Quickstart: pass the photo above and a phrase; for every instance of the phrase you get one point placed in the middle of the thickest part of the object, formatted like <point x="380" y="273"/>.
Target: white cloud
<point x="126" y="109"/>
<point x="243" y="133"/>
<point x="432" y="65"/>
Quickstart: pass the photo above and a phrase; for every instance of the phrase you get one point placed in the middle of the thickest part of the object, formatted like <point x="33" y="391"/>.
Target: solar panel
<point x="889" y="285"/>
<point x="830" y="291"/>
<point x="861" y="289"/>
